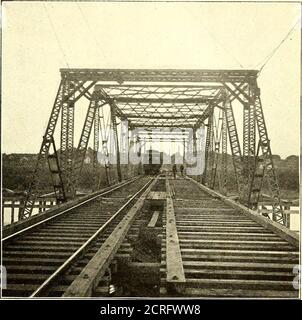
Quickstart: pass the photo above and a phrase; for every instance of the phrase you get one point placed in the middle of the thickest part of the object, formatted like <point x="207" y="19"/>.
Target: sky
<point x="40" y="38"/>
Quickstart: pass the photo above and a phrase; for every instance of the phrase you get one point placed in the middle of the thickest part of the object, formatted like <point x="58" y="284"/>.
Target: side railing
<point x="12" y="206"/>
<point x="291" y="213"/>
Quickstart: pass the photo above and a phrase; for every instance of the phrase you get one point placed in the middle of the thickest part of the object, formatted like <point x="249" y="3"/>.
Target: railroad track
<point x="43" y="260"/>
<point x="154" y="237"/>
<point x="218" y="251"/>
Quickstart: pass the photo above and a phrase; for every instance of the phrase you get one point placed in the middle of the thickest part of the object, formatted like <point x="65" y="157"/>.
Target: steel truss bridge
<point x="161" y="99"/>
<point x="155" y="235"/>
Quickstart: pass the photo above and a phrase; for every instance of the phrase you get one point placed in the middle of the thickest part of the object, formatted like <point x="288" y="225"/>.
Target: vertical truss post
<point x="140" y="153"/>
<point x="211" y="157"/>
<point x="104" y="144"/>
<point x="216" y="148"/>
<point x="114" y="125"/>
<point x="190" y="147"/>
<point x="216" y="143"/>
<point x="266" y="159"/>
<point x="96" y="135"/>
<point x="201" y="141"/>
<point x="246" y="131"/>
<point x="224" y="156"/>
<point x="184" y="146"/>
<point x="194" y="142"/>
<point x="56" y="174"/>
<point x="209" y="147"/>
<point x="124" y="147"/>
<point x="130" y="150"/>
<point x="195" y="145"/>
<point x="249" y="139"/>
<point x="29" y="201"/>
<point x="256" y="182"/>
<point x="138" y="149"/>
<point x="67" y="136"/>
<point x="83" y="143"/>
<point x="234" y="143"/>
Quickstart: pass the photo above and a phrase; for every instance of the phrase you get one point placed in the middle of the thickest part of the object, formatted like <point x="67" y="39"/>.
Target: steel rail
<point x="75" y="255"/>
<point x="67" y="210"/>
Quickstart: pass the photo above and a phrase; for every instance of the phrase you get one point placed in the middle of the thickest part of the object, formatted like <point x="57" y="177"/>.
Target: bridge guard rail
<point x="273" y="226"/>
<point x="175" y="272"/>
<point x="23" y="225"/>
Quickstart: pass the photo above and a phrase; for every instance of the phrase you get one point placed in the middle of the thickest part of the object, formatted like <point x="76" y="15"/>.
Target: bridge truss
<point x="185" y="100"/>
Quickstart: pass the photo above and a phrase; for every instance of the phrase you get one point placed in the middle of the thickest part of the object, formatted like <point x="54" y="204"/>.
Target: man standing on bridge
<point x="181" y="168"/>
<point x="174" y="170"/>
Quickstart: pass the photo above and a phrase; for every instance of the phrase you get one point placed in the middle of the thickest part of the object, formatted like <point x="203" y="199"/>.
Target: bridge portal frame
<point x="163" y="98"/>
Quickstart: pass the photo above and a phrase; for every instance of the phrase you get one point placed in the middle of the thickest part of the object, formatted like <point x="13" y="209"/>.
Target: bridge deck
<point x="224" y="252"/>
<point x="178" y="239"/>
<point x="32" y="257"/>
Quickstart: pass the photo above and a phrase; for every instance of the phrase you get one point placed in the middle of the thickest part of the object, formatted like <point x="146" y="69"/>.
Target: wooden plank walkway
<point x="224" y="252"/>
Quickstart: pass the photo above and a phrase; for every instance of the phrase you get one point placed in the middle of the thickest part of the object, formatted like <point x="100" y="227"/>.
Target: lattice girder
<point x="170" y="98"/>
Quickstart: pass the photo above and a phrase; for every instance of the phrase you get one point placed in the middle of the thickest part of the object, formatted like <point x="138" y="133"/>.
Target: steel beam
<point x="96" y="135"/>
<point x="138" y="125"/>
<point x="26" y="211"/>
<point x="196" y="100"/>
<point x="209" y="147"/>
<point x="172" y="117"/>
<point x="65" y="94"/>
<point x="234" y="143"/>
<point x="216" y="147"/>
<point x="150" y="85"/>
<point x="117" y="149"/>
<point x="104" y="143"/>
<point x="235" y="94"/>
<point x="224" y="157"/>
<point x="83" y="143"/>
<point x="267" y="159"/>
<point x="163" y="140"/>
<point x="159" y="75"/>
<point x="67" y="135"/>
<point x="249" y="139"/>
<point x="56" y="174"/>
<point x="147" y="105"/>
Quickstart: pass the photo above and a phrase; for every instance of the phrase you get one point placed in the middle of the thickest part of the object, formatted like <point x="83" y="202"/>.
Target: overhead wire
<point x="220" y="43"/>
<point x="266" y="60"/>
<point x="96" y="42"/>
<point x="273" y="52"/>
<point x="225" y="48"/>
<point x="56" y="35"/>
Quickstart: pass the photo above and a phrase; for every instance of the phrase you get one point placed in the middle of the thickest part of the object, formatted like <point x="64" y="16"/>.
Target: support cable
<point x="270" y="56"/>
<point x="220" y="44"/>
<point x="96" y="42"/>
<point x="56" y="35"/>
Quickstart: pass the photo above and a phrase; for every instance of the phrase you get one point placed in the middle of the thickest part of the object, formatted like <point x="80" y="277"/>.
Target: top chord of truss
<point x="159" y="75"/>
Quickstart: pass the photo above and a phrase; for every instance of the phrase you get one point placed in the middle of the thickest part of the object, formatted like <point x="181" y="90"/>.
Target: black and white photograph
<point x="150" y="150"/>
